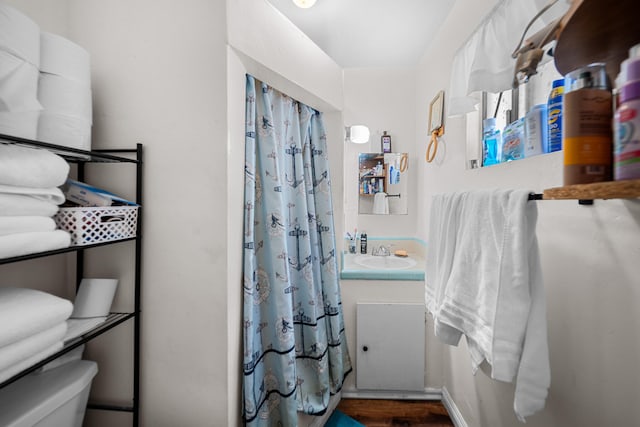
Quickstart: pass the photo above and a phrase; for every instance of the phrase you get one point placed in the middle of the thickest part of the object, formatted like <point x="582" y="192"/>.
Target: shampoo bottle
<point x="587" y="133"/>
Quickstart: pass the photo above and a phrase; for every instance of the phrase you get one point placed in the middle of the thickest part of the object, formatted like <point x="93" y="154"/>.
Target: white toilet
<point x="54" y="398"/>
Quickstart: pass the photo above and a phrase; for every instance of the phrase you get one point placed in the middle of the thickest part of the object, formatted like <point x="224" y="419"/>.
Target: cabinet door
<point x="391" y="346"/>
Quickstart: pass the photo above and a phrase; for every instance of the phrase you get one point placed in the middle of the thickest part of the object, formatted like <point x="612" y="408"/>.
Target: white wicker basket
<point x="89" y="225"/>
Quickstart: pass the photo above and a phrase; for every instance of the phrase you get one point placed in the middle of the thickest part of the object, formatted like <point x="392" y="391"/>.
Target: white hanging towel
<point x="484" y="281"/>
<point x="381" y="204"/>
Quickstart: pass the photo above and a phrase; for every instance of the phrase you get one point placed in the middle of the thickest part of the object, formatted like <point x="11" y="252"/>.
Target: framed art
<point x="436" y="114"/>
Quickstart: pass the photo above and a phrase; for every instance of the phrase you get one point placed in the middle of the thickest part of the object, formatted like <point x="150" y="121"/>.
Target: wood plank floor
<point x="384" y="413"/>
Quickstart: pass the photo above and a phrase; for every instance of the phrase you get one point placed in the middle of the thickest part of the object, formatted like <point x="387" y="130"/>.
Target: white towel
<point x="28" y="362"/>
<point x="19" y="244"/>
<point x="25" y="224"/>
<point x="18" y="204"/>
<point x="50" y="194"/>
<point x="24" y="312"/>
<point x="31" y="345"/>
<point x="381" y="204"/>
<point x="484" y="281"/>
<point x="31" y="167"/>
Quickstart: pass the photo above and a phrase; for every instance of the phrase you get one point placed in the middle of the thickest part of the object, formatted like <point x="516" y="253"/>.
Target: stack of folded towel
<point x="34" y="326"/>
<point x="29" y="197"/>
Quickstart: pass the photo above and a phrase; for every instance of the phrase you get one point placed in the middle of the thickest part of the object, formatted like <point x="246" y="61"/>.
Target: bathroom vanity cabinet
<point x="83" y="160"/>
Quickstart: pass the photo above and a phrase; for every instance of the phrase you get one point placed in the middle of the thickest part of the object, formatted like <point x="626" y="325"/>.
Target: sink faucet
<point x="381" y="251"/>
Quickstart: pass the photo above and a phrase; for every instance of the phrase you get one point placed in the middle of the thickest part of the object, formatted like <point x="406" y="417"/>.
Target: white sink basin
<point x="391" y="262"/>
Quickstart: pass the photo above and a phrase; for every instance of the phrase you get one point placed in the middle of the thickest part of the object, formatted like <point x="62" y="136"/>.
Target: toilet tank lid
<point x="33" y="397"/>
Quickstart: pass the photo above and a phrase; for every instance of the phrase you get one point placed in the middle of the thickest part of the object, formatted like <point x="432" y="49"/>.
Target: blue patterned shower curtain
<point x="295" y="351"/>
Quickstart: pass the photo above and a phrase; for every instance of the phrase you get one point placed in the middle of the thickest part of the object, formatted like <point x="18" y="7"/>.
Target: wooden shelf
<point x="629" y="189"/>
<point x="597" y="31"/>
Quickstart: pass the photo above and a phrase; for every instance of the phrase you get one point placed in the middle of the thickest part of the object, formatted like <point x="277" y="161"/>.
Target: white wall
<point x="588" y="260"/>
<point x="381" y="99"/>
<point x="164" y="75"/>
<point x="159" y="78"/>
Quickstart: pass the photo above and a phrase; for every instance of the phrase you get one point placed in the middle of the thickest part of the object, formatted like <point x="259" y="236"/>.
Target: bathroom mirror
<point x="382" y="183"/>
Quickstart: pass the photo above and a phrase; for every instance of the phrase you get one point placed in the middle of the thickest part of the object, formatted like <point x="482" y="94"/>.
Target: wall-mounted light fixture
<point x="304" y="4"/>
<point x="358" y="134"/>
<point x="529" y="52"/>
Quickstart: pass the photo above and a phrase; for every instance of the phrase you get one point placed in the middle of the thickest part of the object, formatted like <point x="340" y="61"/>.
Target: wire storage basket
<point x="90" y="225"/>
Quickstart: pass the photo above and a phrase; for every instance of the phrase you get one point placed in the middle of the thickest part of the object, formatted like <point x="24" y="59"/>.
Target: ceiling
<point x="370" y="33"/>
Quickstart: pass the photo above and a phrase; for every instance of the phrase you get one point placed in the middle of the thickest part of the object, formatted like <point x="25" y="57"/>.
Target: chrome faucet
<point x="381" y="251"/>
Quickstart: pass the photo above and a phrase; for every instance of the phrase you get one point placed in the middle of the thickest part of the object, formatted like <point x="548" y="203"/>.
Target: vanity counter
<point x="368" y="267"/>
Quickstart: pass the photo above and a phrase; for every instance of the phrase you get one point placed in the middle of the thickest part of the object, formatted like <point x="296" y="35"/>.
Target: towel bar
<point x="539" y="196"/>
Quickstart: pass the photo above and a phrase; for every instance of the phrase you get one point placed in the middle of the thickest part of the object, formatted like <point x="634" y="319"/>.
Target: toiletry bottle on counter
<point x="587" y="134"/>
<point x="363" y="243"/>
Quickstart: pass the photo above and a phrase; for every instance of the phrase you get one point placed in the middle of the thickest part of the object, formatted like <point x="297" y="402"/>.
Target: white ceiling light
<point x="304" y="4"/>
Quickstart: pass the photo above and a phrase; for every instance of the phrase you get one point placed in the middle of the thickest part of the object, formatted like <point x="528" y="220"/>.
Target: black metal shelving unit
<point x="81" y="158"/>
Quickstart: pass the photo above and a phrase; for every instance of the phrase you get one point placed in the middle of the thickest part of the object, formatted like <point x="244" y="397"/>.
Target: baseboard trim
<point x="427" y="394"/>
<point x="452" y="408"/>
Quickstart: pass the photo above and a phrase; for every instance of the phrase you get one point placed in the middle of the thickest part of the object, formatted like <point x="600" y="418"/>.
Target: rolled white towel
<point x="32" y="345"/>
<point x="30" y="361"/>
<point x="24" y="312"/>
<point x="31" y="167"/>
<point x="25" y="224"/>
<point x="51" y="195"/>
<point x="20" y="244"/>
<point x="18" y="84"/>
<point x="18" y="204"/>
<point x="19" y="34"/>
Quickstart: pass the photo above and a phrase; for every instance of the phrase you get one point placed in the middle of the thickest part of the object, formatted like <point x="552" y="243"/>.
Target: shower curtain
<point x="295" y="351"/>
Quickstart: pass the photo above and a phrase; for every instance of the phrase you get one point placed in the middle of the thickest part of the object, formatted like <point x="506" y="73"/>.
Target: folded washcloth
<point x="28" y="362"/>
<point x="20" y="244"/>
<point x="13" y="353"/>
<point x="25" y="224"/>
<point x="25" y="312"/>
<point x="49" y="194"/>
<point x="31" y="167"/>
<point x="18" y="204"/>
<point x="484" y="281"/>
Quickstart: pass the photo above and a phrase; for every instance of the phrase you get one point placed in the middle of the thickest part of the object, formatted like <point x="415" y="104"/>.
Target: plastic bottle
<point x="363" y="243"/>
<point x="513" y="141"/>
<point x="587" y="134"/>
<point x="490" y="142"/>
<point x="536" y="130"/>
<point x="554" y="111"/>
<point x="626" y="149"/>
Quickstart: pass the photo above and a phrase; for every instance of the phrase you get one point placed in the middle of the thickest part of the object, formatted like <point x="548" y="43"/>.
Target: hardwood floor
<point x="384" y="413"/>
